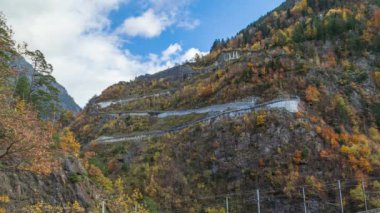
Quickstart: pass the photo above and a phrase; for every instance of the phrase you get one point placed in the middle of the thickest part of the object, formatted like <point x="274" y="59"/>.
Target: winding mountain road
<point x="105" y="104"/>
<point x="233" y="109"/>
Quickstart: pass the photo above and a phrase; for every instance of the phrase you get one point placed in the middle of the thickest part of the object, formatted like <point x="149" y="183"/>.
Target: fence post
<point x="304" y="199"/>
<point x="340" y="197"/>
<point x="258" y="200"/>
<point x="227" y="209"/>
<point x="365" y="196"/>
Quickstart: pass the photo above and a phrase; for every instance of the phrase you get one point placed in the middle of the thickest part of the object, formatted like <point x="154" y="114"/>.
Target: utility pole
<point x="136" y="208"/>
<point x="304" y="199"/>
<point x="365" y="197"/>
<point x="103" y="205"/>
<point x="227" y="210"/>
<point x="340" y="197"/>
<point x="258" y="200"/>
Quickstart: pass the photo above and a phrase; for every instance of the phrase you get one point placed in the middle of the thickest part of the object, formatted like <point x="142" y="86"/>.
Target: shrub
<point x="215" y="210"/>
<point x="315" y="184"/>
<point x="376" y="76"/>
<point x="305" y="153"/>
<point x="357" y="195"/>
<point x="376" y="110"/>
<point x="280" y="38"/>
<point x="256" y="46"/>
<point x="377" y="2"/>
<point x="75" y="178"/>
<point x="261" y="119"/>
<point x="297" y="157"/>
<point x="113" y="165"/>
<point x="375" y="200"/>
<point x="4" y="199"/>
<point x="374" y="134"/>
<point x="45" y="207"/>
<point x="98" y="163"/>
<point x="99" y="178"/>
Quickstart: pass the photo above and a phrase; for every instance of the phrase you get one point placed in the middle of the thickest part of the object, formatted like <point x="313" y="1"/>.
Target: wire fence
<point x="347" y="195"/>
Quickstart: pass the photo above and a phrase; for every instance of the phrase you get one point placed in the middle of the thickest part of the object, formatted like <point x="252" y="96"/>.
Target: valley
<point x="282" y="117"/>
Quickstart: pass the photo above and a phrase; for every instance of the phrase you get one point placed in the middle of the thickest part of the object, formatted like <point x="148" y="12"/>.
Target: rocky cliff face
<point x="57" y="189"/>
<point x="66" y="102"/>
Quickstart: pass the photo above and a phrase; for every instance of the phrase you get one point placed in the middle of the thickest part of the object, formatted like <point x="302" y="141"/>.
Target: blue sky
<point x="93" y="44"/>
<point x="217" y="19"/>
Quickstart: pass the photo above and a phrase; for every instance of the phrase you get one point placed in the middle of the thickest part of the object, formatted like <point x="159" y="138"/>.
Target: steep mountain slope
<point x="291" y="102"/>
<point x="39" y="167"/>
<point x="66" y="102"/>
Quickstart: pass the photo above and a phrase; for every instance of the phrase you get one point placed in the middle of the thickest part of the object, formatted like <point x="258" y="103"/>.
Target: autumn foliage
<point x="42" y="207"/>
<point x="68" y="143"/>
<point x="312" y="94"/>
<point x="376" y="76"/>
<point x="123" y="202"/>
<point x="25" y="140"/>
<point x="376" y="19"/>
<point x="297" y="157"/>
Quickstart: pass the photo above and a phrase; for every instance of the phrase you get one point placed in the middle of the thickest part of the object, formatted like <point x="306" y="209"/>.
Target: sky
<point x="93" y="44"/>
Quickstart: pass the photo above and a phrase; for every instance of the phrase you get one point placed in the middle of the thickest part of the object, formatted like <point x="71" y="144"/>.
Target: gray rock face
<point x="67" y="103"/>
<point x="176" y="73"/>
<point x="26" y="188"/>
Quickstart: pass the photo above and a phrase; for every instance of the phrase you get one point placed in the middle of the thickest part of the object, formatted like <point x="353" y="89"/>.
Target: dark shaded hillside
<point x="324" y="52"/>
<point x="66" y="102"/>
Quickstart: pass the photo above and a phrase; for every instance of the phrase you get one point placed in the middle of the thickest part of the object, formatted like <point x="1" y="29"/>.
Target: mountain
<point x="39" y="157"/>
<point x="66" y="102"/>
<point x="285" y="114"/>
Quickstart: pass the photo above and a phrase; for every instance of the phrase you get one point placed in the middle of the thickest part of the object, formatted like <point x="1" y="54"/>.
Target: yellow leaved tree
<point x="68" y="142"/>
<point x="4" y="199"/>
<point x="122" y="202"/>
<point x="42" y="207"/>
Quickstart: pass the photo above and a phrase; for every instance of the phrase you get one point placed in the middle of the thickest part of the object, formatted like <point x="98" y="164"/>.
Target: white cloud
<point x="174" y="55"/>
<point x="147" y="25"/>
<point x="189" y="24"/>
<point x="159" y="15"/>
<point x="73" y="34"/>
<point x="190" y="54"/>
<point x="171" y="50"/>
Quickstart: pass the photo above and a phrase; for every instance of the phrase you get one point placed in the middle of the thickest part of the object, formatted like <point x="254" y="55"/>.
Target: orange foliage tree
<point x="24" y="140"/>
<point x="297" y="157"/>
<point x="312" y="94"/>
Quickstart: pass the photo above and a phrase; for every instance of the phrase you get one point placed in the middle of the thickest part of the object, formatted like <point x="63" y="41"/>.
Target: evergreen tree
<point x="215" y="45"/>
<point x="42" y="93"/>
<point x="23" y="88"/>
<point x="376" y="43"/>
<point x="298" y="34"/>
<point x="335" y="25"/>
